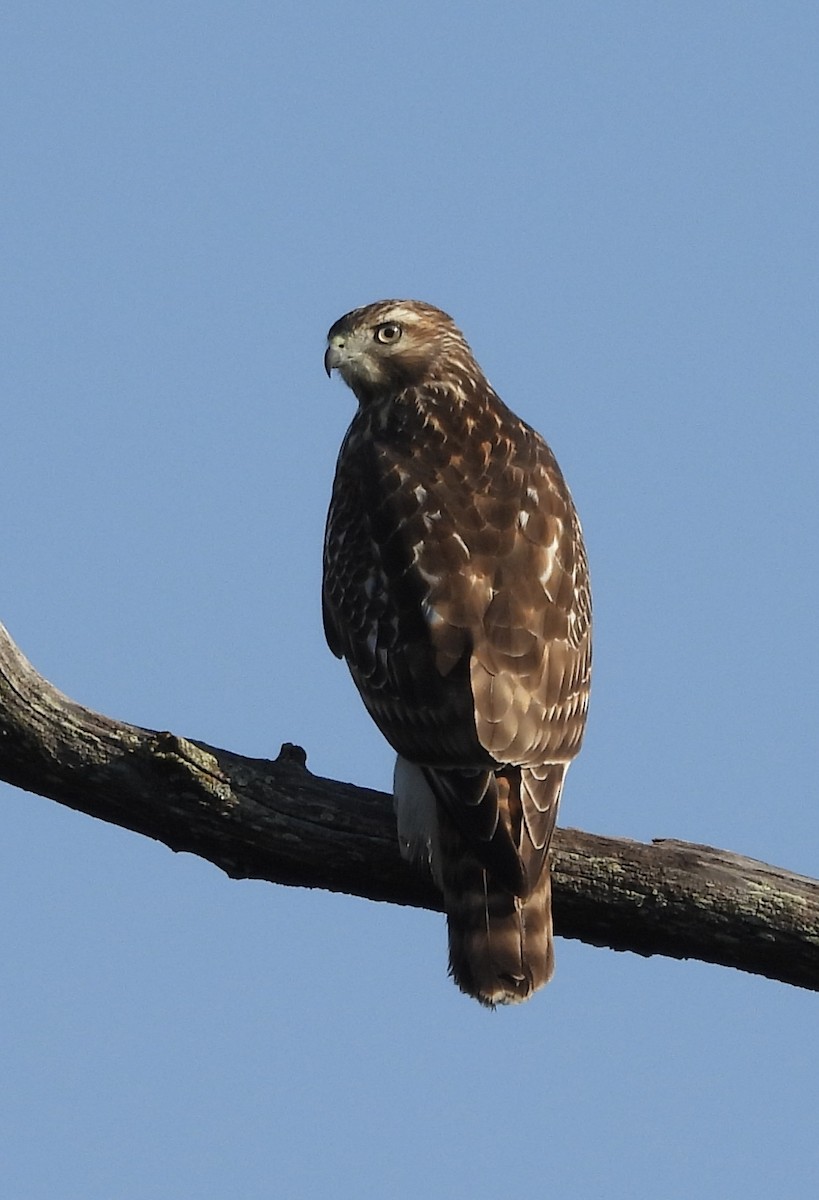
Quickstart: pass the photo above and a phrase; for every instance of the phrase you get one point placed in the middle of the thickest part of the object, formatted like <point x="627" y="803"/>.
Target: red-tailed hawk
<point x="456" y="587"/>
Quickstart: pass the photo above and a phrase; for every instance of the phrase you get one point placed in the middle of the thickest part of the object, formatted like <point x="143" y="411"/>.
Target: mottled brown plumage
<point x="456" y="587"/>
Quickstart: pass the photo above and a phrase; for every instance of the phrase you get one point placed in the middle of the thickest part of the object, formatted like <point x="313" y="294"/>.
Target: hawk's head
<point x="393" y="344"/>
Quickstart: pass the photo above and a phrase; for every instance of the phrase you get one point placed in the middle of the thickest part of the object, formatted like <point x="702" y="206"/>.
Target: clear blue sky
<point x="618" y="203"/>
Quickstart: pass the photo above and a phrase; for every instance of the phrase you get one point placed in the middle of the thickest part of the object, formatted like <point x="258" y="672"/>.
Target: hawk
<point x="456" y="588"/>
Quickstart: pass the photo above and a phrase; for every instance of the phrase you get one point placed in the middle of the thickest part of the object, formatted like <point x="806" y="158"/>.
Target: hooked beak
<point x="333" y="357"/>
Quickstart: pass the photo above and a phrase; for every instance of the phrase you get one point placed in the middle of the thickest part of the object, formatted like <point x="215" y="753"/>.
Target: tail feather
<point x="500" y="945"/>
<point x="500" y="939"/>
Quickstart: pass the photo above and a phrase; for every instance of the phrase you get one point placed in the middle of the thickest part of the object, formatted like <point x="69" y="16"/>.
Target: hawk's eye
<point x="388" y="333"/>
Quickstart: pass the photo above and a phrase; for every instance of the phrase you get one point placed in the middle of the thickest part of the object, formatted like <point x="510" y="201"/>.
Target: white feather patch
<point x="416" y="811"/>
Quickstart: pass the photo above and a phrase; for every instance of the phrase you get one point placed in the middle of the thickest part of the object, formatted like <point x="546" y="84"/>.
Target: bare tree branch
<point x="276" y="821"/>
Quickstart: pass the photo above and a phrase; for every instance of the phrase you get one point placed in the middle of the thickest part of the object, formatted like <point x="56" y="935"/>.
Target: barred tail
<point x="500" y="945"/>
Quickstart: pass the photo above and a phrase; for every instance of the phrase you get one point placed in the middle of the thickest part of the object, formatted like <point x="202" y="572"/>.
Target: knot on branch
<point x="292" y="755"/>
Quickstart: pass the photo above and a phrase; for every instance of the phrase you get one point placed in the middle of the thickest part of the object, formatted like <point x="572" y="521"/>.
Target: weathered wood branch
<point x="276" y="821"/>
